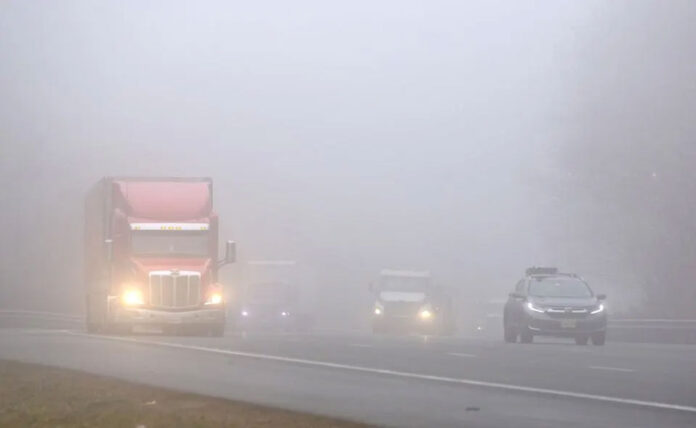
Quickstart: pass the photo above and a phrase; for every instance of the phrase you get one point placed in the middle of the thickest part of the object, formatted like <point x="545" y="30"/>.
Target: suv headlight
<point x="534" y="308"/>
<point x="598" y="309"/>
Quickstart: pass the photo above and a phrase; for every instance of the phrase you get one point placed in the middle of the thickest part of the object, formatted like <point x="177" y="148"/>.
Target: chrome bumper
<point x="141" y="316"/>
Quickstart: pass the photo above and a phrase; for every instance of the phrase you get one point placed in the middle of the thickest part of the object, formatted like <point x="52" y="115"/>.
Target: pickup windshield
<point x="170" y="243"/>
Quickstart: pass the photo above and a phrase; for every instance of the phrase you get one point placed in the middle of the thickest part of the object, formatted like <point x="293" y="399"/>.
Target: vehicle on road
<point x="408" y="301"/>
<point x="275" y="295"/>
<point x="549" y="303"/>
<point x="151" y="256"/>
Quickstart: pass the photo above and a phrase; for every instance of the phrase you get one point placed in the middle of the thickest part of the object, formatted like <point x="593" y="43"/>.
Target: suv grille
<point x="174" y="290"/>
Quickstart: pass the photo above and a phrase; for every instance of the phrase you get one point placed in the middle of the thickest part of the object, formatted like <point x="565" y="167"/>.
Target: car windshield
<point x="168" y="243"/>
<point x="559" y="287"/>
<point x="399" y="283"/>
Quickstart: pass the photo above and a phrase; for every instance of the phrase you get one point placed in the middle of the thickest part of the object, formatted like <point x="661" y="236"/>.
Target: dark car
<point x="548" y="303"/>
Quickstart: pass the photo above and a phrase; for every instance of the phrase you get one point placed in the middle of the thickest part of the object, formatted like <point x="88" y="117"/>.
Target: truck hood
<point x="150" y="264"/>
<point x="401" y="296"/>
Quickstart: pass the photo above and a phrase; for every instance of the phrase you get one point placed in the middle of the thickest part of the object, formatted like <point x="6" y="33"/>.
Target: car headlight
<point x="598" y="309"/>
<point x="132" y="297"/>
<point x="245" y="313"/>
<point x="378" y="311"/>
<point x="285" y="314"/>
<point x="214" y="299"/>
<point x="532" y="307"/>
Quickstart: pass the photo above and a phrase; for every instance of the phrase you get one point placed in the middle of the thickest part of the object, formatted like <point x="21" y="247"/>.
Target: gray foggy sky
<point x="353" y="135"/>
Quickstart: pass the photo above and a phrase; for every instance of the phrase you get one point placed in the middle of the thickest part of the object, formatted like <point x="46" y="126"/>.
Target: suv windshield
<point x="168" y="243"/>
<point x="559" y="287"/>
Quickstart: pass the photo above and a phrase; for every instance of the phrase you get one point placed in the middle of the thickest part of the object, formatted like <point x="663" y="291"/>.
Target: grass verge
<point x="39" y="396"/>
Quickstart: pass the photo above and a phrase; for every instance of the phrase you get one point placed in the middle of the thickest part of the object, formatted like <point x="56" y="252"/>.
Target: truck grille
<point x="401" y="309"/>
<point x="175" y="290"/>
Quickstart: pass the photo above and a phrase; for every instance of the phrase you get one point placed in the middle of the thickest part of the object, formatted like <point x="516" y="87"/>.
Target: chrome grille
<point x="174" y="290"/>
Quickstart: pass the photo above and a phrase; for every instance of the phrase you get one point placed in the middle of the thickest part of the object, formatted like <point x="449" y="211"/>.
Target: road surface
<point x="397" y="381"/>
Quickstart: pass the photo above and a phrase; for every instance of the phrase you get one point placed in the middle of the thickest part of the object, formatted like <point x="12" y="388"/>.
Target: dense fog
<point x="469" y="139"/>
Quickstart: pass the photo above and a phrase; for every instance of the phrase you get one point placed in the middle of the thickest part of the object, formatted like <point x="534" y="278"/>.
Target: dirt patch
<point x="38" y="396"/>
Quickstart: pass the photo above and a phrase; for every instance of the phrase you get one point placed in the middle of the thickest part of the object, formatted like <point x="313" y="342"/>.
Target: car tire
<point x="509" y="334"/>
<point x="217" y="330"/>
<point x="581" y="340"/>
<point x="599" y="338"/>
<point x="526" y="336"/>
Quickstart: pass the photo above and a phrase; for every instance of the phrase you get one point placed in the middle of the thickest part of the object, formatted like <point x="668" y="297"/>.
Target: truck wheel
<point x="581" y="340"/>
<point x="93" y="328"/>
<point x="218" y="330"/>
<point x="599" y="338"/>
<point x="526" y="336"/>
<point x="509" y="334"/>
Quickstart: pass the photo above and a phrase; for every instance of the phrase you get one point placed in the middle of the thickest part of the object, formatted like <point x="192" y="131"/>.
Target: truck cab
<point x="151" y="256"/>
<point x="273" y="297"/>
<point x="408" y="301"/>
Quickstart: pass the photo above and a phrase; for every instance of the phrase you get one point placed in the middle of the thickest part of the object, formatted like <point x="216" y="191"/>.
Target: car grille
<point x="567" y="313"/>
<point x="401" y="309"/>
<point x="175" y="290"/>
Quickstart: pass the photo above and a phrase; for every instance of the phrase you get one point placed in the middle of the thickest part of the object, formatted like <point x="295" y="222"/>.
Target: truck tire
<point x="599" y="338"/>
<point x="581" y="340"/>
<point x="217" y="330"/>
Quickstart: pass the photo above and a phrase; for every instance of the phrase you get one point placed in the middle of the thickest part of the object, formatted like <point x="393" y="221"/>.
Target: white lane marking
<point x="395" y="373"/>
<point x="615" y="369"/>
<point x="459" y="354"/>
<point x="359" y="345"/>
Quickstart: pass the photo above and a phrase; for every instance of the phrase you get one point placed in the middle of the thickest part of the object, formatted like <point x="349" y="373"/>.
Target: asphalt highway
<point x="397" y="381"/>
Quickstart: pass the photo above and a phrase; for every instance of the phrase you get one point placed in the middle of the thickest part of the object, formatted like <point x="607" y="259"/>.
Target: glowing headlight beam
<point x="425" y="314"/>
<point x="132" y="297"/>
<point x="599" y="309"/>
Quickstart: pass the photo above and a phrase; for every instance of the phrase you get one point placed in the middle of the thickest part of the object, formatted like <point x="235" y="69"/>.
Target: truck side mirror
<point x="516" y="295"/>
<point x="108" y="249"/>
<point x="230" y="252"/>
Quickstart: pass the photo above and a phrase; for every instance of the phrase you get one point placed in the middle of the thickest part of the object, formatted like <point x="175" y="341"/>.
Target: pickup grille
<point x="174" y="290"/>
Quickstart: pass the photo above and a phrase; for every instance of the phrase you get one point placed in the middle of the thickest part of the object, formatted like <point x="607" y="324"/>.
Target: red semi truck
<point x="151" y="256"/>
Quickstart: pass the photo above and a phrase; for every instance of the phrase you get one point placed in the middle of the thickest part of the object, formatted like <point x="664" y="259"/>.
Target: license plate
<point x="569" y="323"/>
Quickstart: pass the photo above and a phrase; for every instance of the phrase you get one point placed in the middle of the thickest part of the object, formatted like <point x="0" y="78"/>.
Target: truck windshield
<point x="269" y="292"/>
<point x="170" y="243"/>
<point x="559" y="287"/>
<point x="397" y="283"/>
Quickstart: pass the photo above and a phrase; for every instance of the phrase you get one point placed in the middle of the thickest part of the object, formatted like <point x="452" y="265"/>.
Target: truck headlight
<point x="132" y="297"/>
<point x="378" y="311"/>
<point x="425" y="314"/>
<point x="214" y="299"/>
